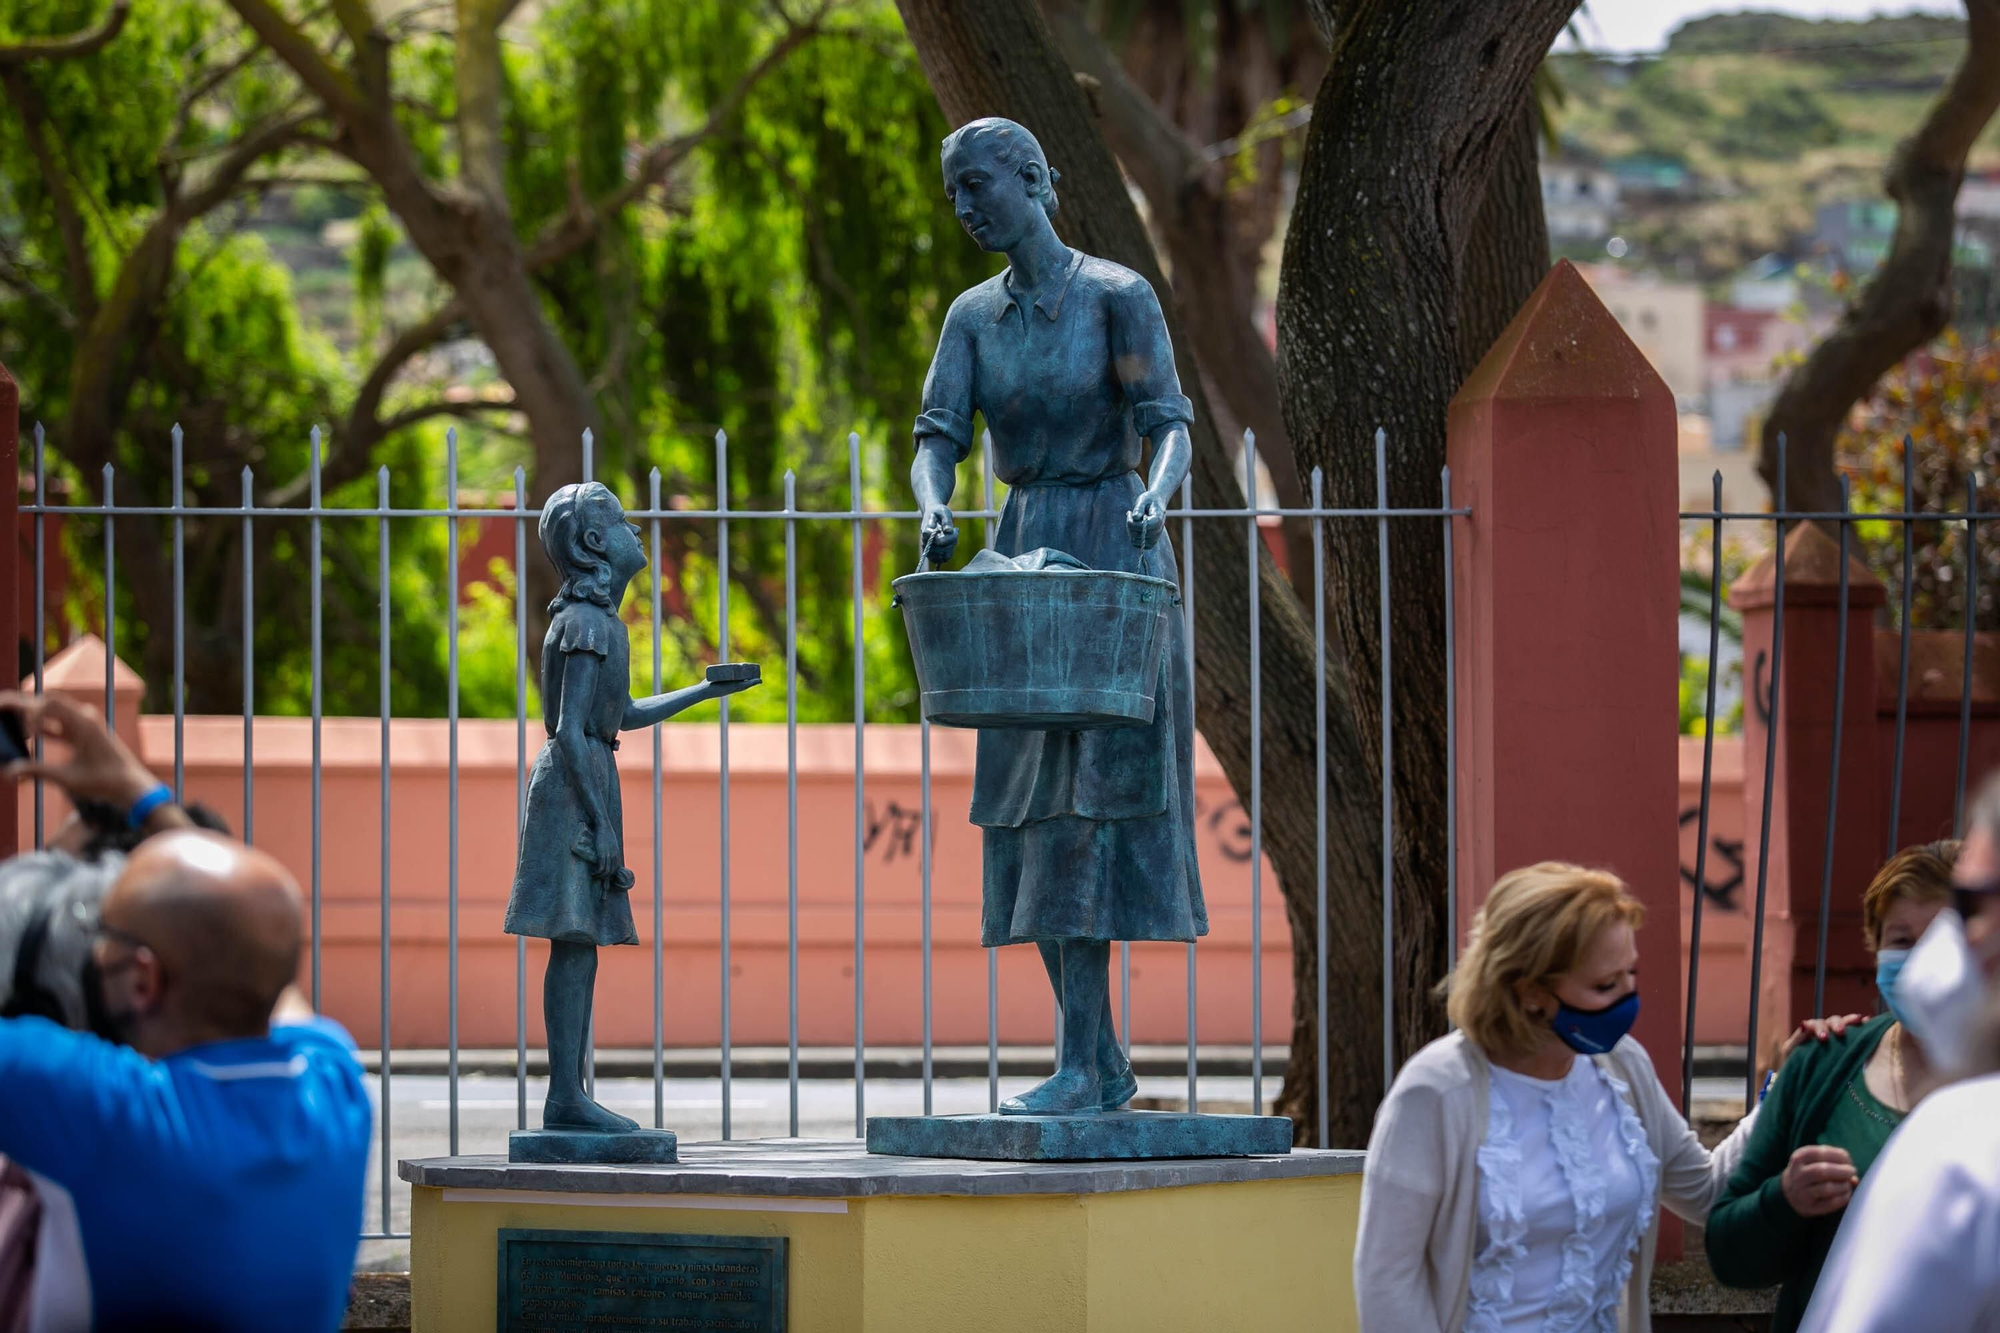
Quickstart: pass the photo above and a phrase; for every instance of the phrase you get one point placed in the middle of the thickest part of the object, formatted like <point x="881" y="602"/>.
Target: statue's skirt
<point x="1090" y="834"/>
<point x="555" y="895"/>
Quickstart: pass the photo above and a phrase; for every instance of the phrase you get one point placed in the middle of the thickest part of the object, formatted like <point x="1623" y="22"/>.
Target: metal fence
<point x="1843" y="522"/>
<point x="1185" y="521"/>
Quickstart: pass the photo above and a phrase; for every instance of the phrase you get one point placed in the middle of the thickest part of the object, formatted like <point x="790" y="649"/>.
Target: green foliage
<point x="1943" y="401"/>
<point x="1773" y="114"/>
<point x="785" y="285"/>
<point x="791" y="294"/>
<point x="1694" y="700"/>
<point x="371" y="269"/>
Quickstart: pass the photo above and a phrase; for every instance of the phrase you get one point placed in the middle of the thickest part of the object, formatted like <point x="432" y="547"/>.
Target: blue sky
<point x="1643" y="25"/>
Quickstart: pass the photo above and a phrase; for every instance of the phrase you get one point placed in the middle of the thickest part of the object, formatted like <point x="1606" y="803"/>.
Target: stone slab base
<point x="907" y="1245"/>
<point x="1119" y="1136"/>
<point x="564" y="1146"/>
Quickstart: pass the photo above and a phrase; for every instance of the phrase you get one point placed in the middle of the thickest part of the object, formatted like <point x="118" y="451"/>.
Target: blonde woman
<point x="1511" y="1185"/>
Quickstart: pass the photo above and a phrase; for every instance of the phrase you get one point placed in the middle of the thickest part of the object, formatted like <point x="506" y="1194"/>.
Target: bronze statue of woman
<point x="1089" y="835"/>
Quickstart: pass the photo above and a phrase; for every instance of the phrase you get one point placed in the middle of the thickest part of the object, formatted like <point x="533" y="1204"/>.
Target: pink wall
<point x="351" y="879"/>
<point x="1723" y="988"/>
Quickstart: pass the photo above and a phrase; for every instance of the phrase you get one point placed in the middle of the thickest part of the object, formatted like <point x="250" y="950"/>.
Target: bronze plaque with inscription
<point x="640" y="1282"/>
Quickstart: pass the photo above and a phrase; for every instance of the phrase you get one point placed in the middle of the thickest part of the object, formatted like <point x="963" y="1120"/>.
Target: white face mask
<point x="1940" y="992"/>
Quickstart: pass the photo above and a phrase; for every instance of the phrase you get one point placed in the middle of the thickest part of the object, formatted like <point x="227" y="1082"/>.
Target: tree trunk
<point x="1418" y="106"/>
<point x="997" y="58"/>
<point x="1908" y="301"/>
<point x="1214" y="238"/>
<point x="1507" y="254"/>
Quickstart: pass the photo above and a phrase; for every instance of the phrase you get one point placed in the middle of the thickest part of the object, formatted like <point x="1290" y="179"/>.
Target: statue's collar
<point x="1051" y="299"/>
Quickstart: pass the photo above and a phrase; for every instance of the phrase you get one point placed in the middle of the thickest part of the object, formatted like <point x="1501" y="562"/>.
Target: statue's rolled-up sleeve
<point x="948" y="408"/>
<point x="1144" y="356"/>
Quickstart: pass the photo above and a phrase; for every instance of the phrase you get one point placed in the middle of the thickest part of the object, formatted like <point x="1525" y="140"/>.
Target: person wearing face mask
<point x="206" y="1168"/>
<point x="1822" y="1128"/>
<point x="1920" y="1247"/>
<point x="1516" y="1167"/>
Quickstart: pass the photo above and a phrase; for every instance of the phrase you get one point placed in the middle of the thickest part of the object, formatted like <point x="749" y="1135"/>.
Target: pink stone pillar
<point x="1796" y="868"/>
<point x="1566" y="594"/>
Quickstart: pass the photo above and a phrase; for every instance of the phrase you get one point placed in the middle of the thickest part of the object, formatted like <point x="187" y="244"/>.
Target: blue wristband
<point x="143" y="808"/>
<point x="1770" y="1077"/>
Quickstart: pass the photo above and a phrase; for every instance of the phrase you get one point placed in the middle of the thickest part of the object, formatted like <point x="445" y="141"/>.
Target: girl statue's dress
<point x="565" y="897"/>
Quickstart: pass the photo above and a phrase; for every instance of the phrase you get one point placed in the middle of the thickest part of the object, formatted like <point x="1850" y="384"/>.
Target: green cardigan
<point x="1753" y="1237"/>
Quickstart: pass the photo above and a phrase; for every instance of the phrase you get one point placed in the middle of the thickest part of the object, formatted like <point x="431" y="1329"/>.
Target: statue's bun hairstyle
<point x="1011" y="146"/>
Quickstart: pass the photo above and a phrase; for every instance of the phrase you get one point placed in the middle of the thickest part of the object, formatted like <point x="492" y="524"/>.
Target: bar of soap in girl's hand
<point x="728" y="673"/>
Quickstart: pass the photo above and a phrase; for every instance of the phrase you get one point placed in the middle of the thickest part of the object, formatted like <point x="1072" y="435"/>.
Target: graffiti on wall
<point x="1722" y="878"/>
<point x="896" y="828"/>
<point x="890" y="831"/>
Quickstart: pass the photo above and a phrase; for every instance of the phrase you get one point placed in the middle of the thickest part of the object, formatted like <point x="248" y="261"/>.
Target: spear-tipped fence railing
<point x="1782" y="520"/>
<point x="388" y="518"/>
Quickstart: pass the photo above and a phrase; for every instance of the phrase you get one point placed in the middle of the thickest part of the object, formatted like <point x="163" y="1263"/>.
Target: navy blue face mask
<point x="1596" y="1031"/>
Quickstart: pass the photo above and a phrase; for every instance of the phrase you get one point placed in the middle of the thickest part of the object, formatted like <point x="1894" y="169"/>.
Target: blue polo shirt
<point x="219" y="1188"/>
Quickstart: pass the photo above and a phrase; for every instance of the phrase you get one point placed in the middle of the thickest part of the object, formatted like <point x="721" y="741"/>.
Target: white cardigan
<point x="1420" y="1187"/>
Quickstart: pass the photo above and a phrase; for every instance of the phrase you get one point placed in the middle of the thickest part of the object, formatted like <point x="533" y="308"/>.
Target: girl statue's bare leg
<point x="567" y="991"/>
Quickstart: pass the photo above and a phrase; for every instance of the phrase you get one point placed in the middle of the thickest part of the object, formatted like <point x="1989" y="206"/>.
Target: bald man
<point x="210" y="1162"/>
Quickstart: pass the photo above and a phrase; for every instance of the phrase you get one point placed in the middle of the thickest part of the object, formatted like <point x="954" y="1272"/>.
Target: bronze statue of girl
<point x="570" y="880"/>
<point x="1089" y="835"/>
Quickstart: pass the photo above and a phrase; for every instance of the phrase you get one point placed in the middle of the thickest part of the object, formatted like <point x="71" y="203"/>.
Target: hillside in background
<point x="1772" y="116"/>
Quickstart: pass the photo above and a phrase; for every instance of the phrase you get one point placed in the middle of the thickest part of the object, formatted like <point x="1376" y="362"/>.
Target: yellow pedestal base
<point x="1268" y="1254"/>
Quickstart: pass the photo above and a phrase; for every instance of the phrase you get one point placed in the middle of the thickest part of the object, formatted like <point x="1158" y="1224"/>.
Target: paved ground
<point x="420" y="1118"/>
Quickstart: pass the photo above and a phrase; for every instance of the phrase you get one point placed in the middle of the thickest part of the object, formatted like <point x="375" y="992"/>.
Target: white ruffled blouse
<point x="1566" y="1193"/>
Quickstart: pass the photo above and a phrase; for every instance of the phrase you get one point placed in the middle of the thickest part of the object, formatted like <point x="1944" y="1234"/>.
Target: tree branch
<point x="329" y="82"/>
<point x="578" y="226"/>
<point x="356" y="438"/>
<point x="17" y="275"/>
<point x="442" y="408"/>
<point x="1189" y="200"/>
<point x="80" y="272"/>
<point x="1908" y="301"/>
<point x="227" y="175"/>
<point x="72" y="47"/>
<point x="214" y="79"/>
<point x="480" y="79"/>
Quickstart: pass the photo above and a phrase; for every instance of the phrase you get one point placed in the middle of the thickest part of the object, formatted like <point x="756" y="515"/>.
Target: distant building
<point x="1769" y="284"/>
<point x="1665" y="320"/>
<point x="1979" y="196"/>
<point x="1855" y="234"/>
<point x="1654" y="177"/>
<point x="1745" y="351"/>
<point x="1579" y="199"/>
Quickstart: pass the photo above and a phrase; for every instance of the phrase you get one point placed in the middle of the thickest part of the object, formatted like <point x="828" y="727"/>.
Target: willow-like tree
<point x="778" y="281"/>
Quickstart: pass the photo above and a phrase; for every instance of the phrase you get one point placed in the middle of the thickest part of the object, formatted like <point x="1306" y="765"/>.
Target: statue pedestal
<point x="853" y="1242"/>
<point x="562" y="1147"/>
<point x="1118" y="1136"/>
